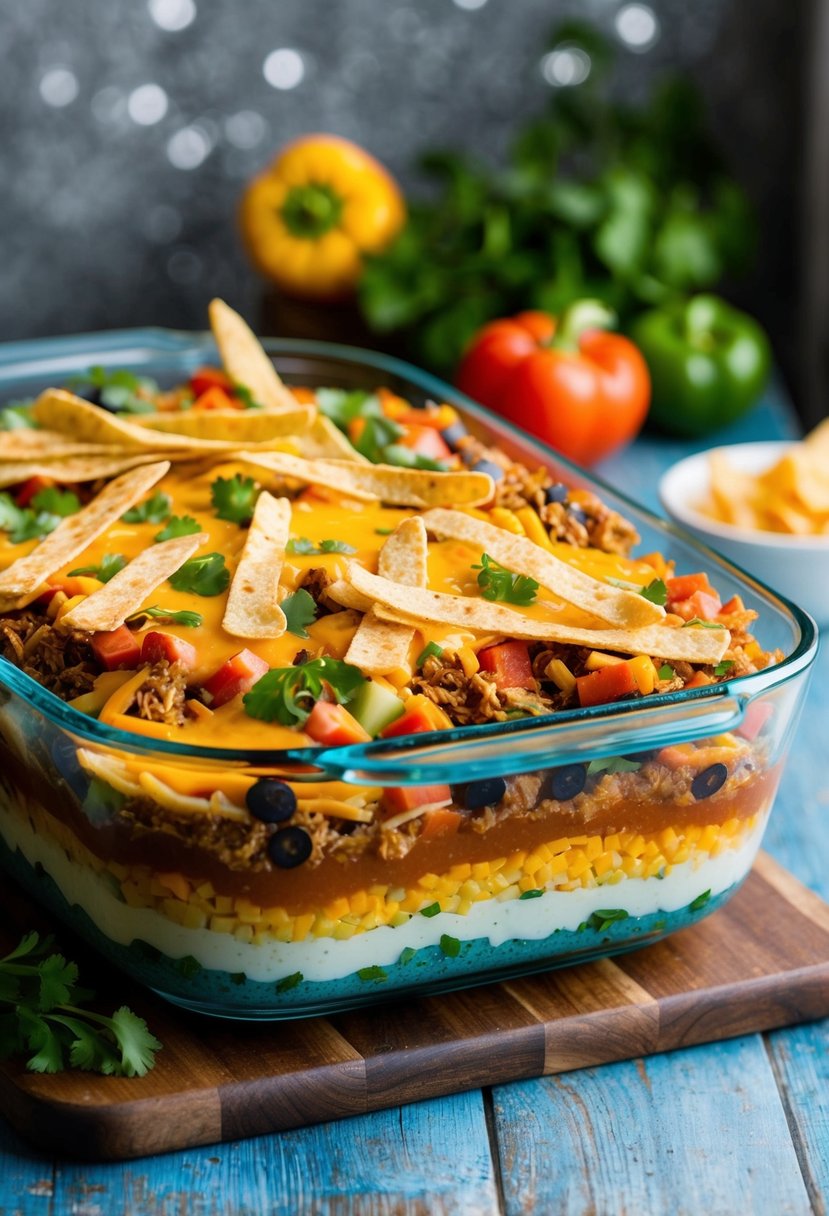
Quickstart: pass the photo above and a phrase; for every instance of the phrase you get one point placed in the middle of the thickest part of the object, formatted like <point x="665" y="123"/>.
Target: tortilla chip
<point x="110" y="770"/>
<point x="51" y="445"/>
<point x="627" y="609"/>
<point x="232" y="426"/>
<point x="325" y="441"/>
<point x="76" y="469"/>
<point x="253" y="600"/>
<point x="383" y="482"/>
<point x="245" y="360"/>
<point x="414" y="606"/>
<point x="74" y="533"/>
<point x="127" y="590"/>
<point x="381" y="646"/>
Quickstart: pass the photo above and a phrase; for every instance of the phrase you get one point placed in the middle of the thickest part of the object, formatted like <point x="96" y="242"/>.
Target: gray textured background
<point x="108" y="219"/>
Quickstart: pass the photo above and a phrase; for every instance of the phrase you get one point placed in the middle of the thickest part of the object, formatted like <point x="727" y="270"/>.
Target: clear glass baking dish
<point x="600" y="856"/>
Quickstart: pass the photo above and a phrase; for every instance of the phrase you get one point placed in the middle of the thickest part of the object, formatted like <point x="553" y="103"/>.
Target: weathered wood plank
<point x="27" y="1177"/>
<point x="692" y="1131"/>
<point x="801" y="1064"/>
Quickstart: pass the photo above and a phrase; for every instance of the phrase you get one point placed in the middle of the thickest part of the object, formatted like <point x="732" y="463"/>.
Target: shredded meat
<point x="316" y="582"/>
<point x="162" y="695"/>
<point x="60" y="661"/>
<point x="467" y="699"/>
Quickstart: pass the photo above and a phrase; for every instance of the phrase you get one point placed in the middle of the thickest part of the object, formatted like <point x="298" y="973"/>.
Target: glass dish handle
<point x="437" y="759"/>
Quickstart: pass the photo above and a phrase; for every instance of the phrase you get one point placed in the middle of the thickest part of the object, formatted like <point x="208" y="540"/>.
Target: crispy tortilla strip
<point x="51" y="445"/>
<point x="383" y="482"/>
<point x="245" y="360"/>
<point x="253" y="600"/>
<point x="381" y="646"/>
<point x="76" y="469"/>
<point x="75" y="532"/>
<point x="325" y="441"/>
<point x="414" y="606"/>
<point x="126" y="591"/>
<point x="627" y="609"/>
<point x="232" y="426"/>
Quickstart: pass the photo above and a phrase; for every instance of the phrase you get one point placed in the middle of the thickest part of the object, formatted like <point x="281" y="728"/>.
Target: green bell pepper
<point x="709" y="363"/>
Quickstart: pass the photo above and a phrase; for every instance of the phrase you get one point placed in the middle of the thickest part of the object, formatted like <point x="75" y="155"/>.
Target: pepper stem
<point x="577" y="319"/>
<point x="311" y="211"/>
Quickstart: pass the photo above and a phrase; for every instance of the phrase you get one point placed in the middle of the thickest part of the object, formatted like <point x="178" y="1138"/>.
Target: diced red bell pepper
<point x="412" y="722"/>
<point x="205" y="378"/>
<point x="684" y="585"/>
<point x="702" y="604"/>
<point x="156" y="646"/>
<point x="426" y="441"/>
<point x="30" y="487"/>
<point x="238" y="674"/>
<point x="398" y="798"/>
<point x="510" y="663"/>
<point x="440" y="822"/>
<point x="605" y="685"/>
<point x="214" y="399"/>
<point x="334" y="726"/>
<point x="116" y="648"/>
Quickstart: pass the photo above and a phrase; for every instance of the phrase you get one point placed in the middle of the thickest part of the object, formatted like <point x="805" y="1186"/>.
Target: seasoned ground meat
<point x="162" y="695"/>
<point x="60" y="661"/>
<point x="466" y="699"/>
<point x="316" y="581"/>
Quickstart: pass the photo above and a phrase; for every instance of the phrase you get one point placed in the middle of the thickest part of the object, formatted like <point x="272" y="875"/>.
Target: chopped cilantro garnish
<point x="666" y="672"/>
<point x="22" y="523"/>
<point x="533" y="894"/>
<point x="376" y="437"/>
<point x="397" y="453"/>
<point x="300" y="545"/>
<point x="603" y="918"/>
<point x="170" y="616"/>
<point x="16" y="416"/>
<point x="406" y="955"/>
<point x="723" y="668"/>
<point x="206" y="575"/>
<point x="300" y="610"/>
<point x="178" y="525"/>
<point x="304" y="547"/>
<point x="288" y="694"/>
<point x="431" y="910"/>
<point x="118" y="389"/>
<point x="656" y="592"/>
<point x="336" y="546"/>
<point x="701" y="900"/>
<point x="242" y="393"/>
<point x="234" y="498"/>
<point x="154" y="510"/>
<point x="108" y="567"/>
<point x="613" y="764"/>
<point x="56" y="502"/>
<point x="498" y="583"/>
<point x="343" y="406"/>
<point x="430" y="650"/>
<point x="701" y="624"/>
<point x="290" y="981"/>
<point x="372" y="973"/>
<point x="383" y="531"/>
<point x="450" y="946"/>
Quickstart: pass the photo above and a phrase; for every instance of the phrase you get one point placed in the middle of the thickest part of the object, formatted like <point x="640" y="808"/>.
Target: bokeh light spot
<point x="172" y="15"/>
<point x="147" y="104"/>
<point x="284" y="68"/>
<point x="162" y="224"/>
<point x="58" y="87"/>
<point x="470" y="4"/>
<point x="108" y="104"/>
<point x="188" y="148"/>
<point x="637" y="26"/>
<point x="566" y="66"/>
<point x="245" y="129"/>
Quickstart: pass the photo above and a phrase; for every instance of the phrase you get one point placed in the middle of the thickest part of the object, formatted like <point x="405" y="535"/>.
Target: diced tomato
<point x="441" y="822"/>
<point x="333" y="725"/>
<point x="756" y="717"/>
<point x="426" y="441"/>
<point x="735" y="604"/>
<point x="699" y="680"/>
<point x="510" y="663"/>
<point x="116" y="648"/>
<point x="684" y="585"/>
<point x="238" y="674"/>
<point x="703" y="604"/>
<point x="605" y="685"/>
<point x="156" y="646"/>
<point x="30" y="487"/>
<point x="214" y="398"/>
<point x="205" y="378"/>
<point x="412" y="722"/>
<point x="398" y="798"/>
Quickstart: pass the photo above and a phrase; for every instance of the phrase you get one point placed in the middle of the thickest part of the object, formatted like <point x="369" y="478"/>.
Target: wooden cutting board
<point x="760" y="962"/>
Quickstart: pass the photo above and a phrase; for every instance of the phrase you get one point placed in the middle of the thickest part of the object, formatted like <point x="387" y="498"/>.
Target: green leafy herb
<point x="430" y="650"/>
<point x="154" y="510"/>
<point x="450" y="946"/>
<point x="289" y="981"/>
<point x="170" y="616"/>
<point x="603" y="918"/>
<point x="343" y="406"/>
<point x="372" y="973"/>
<point x="23" y="523"/>
<point x="377" y="436"/>
<point x="666" y="672"/>
<point x="383" y="531"/>
<point x="406" y="955"/>
<point x="723" y="668"/>
<point x="701" y="624"/>
<point x="188" y="966"/>
<point x="612" y="764"/>
<point x="242" y="393"/>
<point x="336" y="546"/>
<point x="300" y="610"/>
<point x="17" y="416"/>
<point x="432" y="910"/>
<point x="108" y="567"/>
<point x="701" y="900"/>
<point x="178" y="525"/>
<point x="405" y="458"/>
<point x="533" y="894"/>
<point x="234" y="498"/>
<point x="206" y="575"/>
<point x="118" y="389"/>
<point x="41" y="1017"/>
<point x="656" y="592"/>
<point x="304" y="547"/>
<point x="288" y="694"/>
<point x="55" y="501"/>
<point x="498" y="583"/>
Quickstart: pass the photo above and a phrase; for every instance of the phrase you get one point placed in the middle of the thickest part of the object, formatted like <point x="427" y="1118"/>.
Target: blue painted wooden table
<point x="739" y="1127"/>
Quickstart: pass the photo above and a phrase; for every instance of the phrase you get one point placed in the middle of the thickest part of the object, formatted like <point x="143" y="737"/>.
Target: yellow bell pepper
<point x="309" y="219"/>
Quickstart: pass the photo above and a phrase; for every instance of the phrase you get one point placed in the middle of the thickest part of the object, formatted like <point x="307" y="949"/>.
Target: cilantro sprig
<point x="300" y="609"/>
<point x="234" y="498"/>
<point x="304" y="547"/>
<point x="178" y="525"/>
<point x="288" y="694"/>
<point x="378" y="437"/>
<point x="41" y="1017"/>
<point x="108" y="567"/>
<point x="117" y="389"/>
<point x="170" y="616"/>
<point x="154" y="510"/>
<point x="25" y="523"/>
<point x="17" y="416"/>
<point x="207" y="575"/>
<point x="498" y="583"/>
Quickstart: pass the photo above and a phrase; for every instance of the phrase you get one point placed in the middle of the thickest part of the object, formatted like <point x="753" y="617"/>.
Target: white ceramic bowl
<point x="796" y="566"/>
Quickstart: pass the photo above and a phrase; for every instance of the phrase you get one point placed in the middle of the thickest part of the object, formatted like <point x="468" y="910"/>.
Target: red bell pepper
<point x="30" y="487"/>
<point x="116" y="648"/>
<point x="205" y="378"/>
<point x="704" y="605"/>
<point x="399" y="798"/>
<point x="510" y="663"/>
<point x="238" y="674"/>
<point x="214" y="399"/>
<point x="412" y="722"/>
<point x="605" y="685"/>
<point x="156" y="646"/>
<point x="334" y="726"/>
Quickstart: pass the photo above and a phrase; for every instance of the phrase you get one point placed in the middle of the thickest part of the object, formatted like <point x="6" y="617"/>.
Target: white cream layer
<point x="324" y="958"/>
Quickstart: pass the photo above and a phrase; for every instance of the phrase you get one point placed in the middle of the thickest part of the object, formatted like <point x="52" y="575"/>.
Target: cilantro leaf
<point x="154" y="510"/>
<point x="403" y="457"/>
<point x="23" y="523"/>
<point x="300" y="610"/>
<point x="336" y="546"/>
<point x="613" y="764"/>
<point x="110" y="564"/>
<point x="301" y="545"/>
<point x="288" y="694"/>
<point x="723" y="668"/>
<point x="242" y="393"/>
<point x="56" y="501"/>
<point x="377" y="434"/>
<point x="234" y="498"/>
<point x="343" y="406"/>
<point x="170" y="616"/>
<point x="603" y="918"/>
<point x="666" y="672"/>
<point x="178" y="525"/>
<point x="117" y="389"/>
<point x="136" y="1043"/>
<point x="656" y="592"/>
<point x="207" y="575"/>
<point x="57" y="979"/>
<point x="699" y="623"/>
<point x="498" y="583"/>
<point x="16" y="416"/>
<point x="305" y="547"/>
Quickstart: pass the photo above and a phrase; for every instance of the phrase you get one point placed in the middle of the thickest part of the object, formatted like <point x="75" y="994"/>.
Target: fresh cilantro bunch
<point x="49" y="506"/>
<point x="288" y="694"/>
<point x="206" y="575"/>
<point x="234" y="498"/>
<point x="154" y="510"/>
<point x="109" y="566"/>
<point x="498" y="583"/>
<point x="303" y="546"/>
<point x="117" y="389"/>
<point x="40" y="1014"/>
<point x="170" y="616"/>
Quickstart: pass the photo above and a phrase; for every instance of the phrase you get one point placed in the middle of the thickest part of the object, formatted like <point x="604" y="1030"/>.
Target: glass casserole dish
<point x="618" y="824"/>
